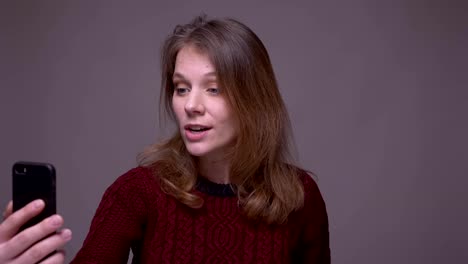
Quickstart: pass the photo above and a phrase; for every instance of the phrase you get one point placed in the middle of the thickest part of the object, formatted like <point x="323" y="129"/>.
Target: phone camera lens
<point x="21" y="171"/>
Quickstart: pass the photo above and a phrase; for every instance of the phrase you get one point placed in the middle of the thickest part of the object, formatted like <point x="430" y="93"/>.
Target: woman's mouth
<point x="196" y="129"/>
<point x="195" y="132"/>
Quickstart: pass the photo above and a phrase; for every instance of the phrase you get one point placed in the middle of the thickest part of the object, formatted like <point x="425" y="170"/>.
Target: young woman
<point x="223" y="188"/>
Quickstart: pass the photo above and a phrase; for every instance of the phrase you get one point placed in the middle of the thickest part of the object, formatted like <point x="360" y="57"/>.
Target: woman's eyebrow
<point x="181" y="77"/>
<point x="210" y="74"/>
<point x="177" y="75"/>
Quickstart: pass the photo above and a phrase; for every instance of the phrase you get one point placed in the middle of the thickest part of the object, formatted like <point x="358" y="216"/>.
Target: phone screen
<point x="31" y="181"/>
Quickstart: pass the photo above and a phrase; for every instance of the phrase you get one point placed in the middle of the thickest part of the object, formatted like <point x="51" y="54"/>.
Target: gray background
<point x="376" y="90"/>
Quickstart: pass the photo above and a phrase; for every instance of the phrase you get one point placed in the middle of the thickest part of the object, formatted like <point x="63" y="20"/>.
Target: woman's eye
<point x="213" y="90"/>
<point x="178" y="90"/>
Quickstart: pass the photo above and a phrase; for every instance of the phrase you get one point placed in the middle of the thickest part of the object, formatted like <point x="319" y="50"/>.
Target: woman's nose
<point x="194" y="104"/>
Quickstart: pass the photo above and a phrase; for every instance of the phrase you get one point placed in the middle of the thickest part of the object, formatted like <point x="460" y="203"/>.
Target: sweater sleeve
<point x="315" y="245"/>
<point x="119" y="222"/>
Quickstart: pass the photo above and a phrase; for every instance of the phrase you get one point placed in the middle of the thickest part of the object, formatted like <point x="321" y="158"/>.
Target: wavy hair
<point x="267" y="184"/>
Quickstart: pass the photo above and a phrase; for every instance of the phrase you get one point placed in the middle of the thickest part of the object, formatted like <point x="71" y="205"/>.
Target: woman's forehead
<point x="191" y="61"/>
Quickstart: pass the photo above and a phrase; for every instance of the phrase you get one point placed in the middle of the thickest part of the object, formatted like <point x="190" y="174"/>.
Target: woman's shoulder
<point x="312" y="194"/>
<point x="136" y="181"/>
<point x="313" y="215"/>
<point x="138" y="176"/>
<point x="308" y="180"/>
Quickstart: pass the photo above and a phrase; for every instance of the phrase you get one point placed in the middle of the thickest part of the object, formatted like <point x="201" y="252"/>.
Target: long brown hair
<point x="267" y="184"/>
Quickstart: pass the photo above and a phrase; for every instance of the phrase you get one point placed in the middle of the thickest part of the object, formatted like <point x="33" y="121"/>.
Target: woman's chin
<point x="204" y="153"/>
<point x="197" y="152"/>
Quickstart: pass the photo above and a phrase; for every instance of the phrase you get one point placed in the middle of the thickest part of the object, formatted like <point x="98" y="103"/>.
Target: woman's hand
<point x="29" y="246"/>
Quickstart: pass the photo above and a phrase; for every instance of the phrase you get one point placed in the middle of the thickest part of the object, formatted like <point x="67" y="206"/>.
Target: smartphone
<point x="31" y="181"/>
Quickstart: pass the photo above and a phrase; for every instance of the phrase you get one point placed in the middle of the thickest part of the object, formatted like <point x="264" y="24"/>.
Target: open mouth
<point x="196" y="129"/>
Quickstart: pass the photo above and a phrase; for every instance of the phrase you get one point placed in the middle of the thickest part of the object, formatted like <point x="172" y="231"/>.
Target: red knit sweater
<point x="135" y="214"/>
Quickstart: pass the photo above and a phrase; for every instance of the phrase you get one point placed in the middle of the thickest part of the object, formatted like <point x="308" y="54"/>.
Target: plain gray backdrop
<point x="376" y="90"/>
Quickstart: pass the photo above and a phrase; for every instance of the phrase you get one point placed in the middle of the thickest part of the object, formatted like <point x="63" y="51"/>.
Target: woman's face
<point x="204" y="117"/>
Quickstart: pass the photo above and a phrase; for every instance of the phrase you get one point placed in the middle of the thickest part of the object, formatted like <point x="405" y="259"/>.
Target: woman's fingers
<point x="57" y="258"/>
<point x="12" y="224"/>
<point x="34" y="243"/>
<point x="43" y="248"/>
<point x="32" y="235"/>
<point x="8" y="210"/>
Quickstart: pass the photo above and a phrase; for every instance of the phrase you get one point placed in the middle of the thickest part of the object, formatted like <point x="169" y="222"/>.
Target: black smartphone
<point x="31" y="181"/>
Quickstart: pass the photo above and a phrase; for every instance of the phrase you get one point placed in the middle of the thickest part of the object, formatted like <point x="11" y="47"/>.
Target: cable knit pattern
<point x="136" y="215"/>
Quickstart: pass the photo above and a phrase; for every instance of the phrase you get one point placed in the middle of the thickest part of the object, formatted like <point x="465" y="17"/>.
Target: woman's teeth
<point x="198" y="129"/>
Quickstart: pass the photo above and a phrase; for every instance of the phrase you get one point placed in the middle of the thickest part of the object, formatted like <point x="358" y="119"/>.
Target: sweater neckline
<point x="215" y="189"/>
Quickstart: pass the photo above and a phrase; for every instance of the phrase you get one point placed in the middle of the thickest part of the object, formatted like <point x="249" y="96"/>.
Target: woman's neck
<point x="216" y="171"/>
